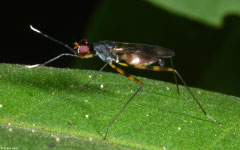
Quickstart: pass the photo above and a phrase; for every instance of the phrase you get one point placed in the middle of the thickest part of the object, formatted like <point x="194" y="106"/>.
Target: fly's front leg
<point x="95" y="75"/>
<point x="51" y="60"/>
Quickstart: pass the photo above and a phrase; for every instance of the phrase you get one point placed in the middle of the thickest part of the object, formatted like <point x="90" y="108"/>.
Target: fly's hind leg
<point x="162" y="68"/>
<point x="176" y="81"/>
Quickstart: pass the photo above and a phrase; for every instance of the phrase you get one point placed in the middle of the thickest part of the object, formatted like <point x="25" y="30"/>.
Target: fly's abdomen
<point x="135" y="59"/>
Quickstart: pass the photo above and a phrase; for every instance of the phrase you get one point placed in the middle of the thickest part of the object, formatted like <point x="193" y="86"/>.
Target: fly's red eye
<point x="83" y="50"/>
<point x="82" y="47"/>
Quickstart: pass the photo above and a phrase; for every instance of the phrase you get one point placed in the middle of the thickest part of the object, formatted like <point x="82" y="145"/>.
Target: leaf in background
<point x="211" y="12"/>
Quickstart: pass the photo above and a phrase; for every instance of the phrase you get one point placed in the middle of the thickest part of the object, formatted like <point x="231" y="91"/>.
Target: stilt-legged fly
<point x="140" y="56"/>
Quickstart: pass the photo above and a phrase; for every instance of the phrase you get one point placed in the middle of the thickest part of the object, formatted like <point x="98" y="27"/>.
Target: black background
<point x="65" y="20"/>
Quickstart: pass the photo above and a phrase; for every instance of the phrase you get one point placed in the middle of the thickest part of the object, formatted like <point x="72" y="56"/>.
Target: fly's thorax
<point x="103" y="50"/>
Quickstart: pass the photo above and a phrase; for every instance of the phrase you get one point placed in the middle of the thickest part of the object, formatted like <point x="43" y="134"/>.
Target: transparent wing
<point x="144" y="49"/>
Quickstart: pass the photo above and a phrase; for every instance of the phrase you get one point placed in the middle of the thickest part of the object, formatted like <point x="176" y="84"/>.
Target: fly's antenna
<point x="48" y="37"/>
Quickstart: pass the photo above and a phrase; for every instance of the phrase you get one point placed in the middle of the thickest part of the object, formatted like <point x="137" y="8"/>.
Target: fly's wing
<point x="144" y="49"/>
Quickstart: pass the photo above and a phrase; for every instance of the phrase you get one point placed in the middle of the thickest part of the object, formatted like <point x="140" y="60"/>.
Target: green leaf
<point x="18" y="137"/>
<point x="211" y="12"/>
<point x="45" y="107"/>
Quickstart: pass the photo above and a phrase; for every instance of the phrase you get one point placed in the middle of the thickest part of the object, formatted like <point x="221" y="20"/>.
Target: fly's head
<point x="83" y="49"/>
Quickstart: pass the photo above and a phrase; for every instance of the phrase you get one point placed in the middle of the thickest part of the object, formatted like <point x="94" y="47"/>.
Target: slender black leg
<point x="161" y="68"/>
<point x="131" y="78"/>
<point x="51" y="60"/>
<point x="204" y="112"/>
<point x="175" y="78"/>
<point x="95" y="75"/>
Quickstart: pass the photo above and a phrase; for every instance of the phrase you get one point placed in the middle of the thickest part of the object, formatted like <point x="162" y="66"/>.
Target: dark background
<point x="207" y="57"/>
